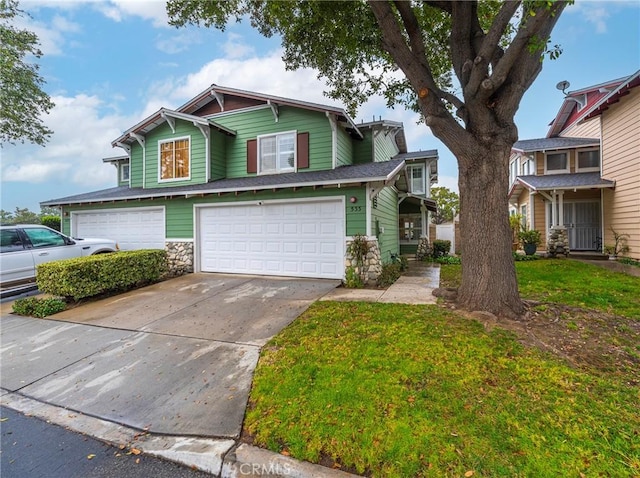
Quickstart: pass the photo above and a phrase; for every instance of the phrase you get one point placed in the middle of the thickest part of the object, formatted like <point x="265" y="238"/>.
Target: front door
<point x="582" y="220"/>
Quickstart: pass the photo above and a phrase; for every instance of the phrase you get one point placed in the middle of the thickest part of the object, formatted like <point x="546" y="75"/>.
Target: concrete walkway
<point x="415" y="286"/>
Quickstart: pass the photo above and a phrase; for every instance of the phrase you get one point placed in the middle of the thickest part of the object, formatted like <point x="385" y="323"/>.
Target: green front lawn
<point x="392" y="390"/>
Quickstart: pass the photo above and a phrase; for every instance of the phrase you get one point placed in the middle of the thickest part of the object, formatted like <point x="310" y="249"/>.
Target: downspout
<point x="141" y="141"/>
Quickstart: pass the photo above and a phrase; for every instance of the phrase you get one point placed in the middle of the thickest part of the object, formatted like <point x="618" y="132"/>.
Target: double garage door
<point x="300" y="239"/>
<point x="283" y="238"/>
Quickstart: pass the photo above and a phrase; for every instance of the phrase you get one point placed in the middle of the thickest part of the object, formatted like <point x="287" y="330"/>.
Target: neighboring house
<point x="583" y="179"/>
<point x="241" y="182"/>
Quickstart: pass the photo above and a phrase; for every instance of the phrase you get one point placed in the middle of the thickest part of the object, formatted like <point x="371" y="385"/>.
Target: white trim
<point x="590" y="169"/>
<point x="409" y="169"/>
<point x="173" y="140"/>
<point x="179" y="240"/>
<point x="277" y="159"/>
<point x="237" y="111"/>
<point x="557" y="171"/>
<point x="121" y="167"/>
<point x="334" y="139"/>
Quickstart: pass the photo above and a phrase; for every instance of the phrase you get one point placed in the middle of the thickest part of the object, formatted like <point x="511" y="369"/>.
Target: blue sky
<point x="109" y="64"/>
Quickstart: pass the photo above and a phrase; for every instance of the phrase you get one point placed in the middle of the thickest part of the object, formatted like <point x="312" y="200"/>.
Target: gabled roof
<point x="552" y="182"/>
<point x="547" y="144"/>
<point x="579" y="105"/>
<point x="614" y="96"/>
<point x="384" y="171"/>
<point x="396" y="126"/>
<point x="216" y="93"/>
<point x="161" y="116"/>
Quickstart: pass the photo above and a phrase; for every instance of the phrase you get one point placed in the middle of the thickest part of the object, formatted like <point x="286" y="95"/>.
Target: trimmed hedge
<point x="37" y="307"/>
<point x="93" y="275"/>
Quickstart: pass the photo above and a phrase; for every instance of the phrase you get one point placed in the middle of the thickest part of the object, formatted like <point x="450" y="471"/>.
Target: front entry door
<point x="582" y="220"/>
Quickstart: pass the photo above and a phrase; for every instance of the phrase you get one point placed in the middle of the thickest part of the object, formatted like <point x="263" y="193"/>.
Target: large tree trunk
<point x="488" y="270"/>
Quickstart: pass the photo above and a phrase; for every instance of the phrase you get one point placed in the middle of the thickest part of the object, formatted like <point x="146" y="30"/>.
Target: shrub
<point x="628" y="261"/>
<point x="51" y="221"/>
<point x="448" y="260"/>
<point x="523" y="257"/>
<point x="352" y="279"/>
<point x="36" y="307"/>
<point x="404" y="263"/>
<point x="389" y="274"/>
<point x="441" y="248"/>
<point x="93" y="275"/>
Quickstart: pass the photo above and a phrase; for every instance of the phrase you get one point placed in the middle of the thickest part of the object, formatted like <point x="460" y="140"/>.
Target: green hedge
<point x="94" y="275"/>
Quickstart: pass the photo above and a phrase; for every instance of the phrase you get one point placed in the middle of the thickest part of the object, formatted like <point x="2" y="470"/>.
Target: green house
<point x="241" y="182"/>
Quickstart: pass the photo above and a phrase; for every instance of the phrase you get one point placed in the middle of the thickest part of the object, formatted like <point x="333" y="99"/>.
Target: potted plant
<point x="515" y="222"/>
<point x="530" y="239"/>
<point x="619" y="245"/>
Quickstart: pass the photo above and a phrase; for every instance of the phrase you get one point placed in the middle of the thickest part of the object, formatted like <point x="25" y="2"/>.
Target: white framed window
<point x="277" y="153"/>
<point x="174" y="159"/>
<point x="513" y="170"/>
<point x="523" y="214"/>
<point x="124" y="172"/>
<point x="556" y="163"/>
<point x="588" y="160"/>
<point x="529" y="167"/>
<point x="417" y="183"/>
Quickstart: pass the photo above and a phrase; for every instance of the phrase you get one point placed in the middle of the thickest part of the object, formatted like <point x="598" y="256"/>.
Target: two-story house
<point x="583" y="179"/>
<point x="242" y="182"/>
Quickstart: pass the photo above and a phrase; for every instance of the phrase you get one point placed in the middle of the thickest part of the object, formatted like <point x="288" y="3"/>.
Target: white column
<point x="561" y="209"/>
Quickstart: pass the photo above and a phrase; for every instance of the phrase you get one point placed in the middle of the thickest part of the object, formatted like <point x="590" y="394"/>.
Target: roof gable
<point x="580" y="105"/>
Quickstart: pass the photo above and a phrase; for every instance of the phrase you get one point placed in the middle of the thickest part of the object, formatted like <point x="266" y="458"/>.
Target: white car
<point x="23" y="247"/>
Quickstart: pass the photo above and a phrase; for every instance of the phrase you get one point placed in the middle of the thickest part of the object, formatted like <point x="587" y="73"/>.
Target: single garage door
<point x="299" y="239"/>
<point x="135" y="228"/>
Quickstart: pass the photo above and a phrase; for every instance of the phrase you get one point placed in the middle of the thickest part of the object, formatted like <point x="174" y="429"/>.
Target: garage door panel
<point x="297" y="239"/>
<point x="131" y="228"/>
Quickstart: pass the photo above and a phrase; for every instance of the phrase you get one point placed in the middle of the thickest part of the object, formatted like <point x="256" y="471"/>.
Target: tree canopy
<point x="464" y="65"/>
<point x="448" y="203"/>
<point x="22" y="100"/>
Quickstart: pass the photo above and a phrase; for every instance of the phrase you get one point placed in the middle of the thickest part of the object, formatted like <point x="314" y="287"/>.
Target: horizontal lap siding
<point x="135" y="166"/>
<point x="345" y="148"/>
<point x="621" y="162"/>
<point x="218" y="150"/>
<point x="386" y="213"/>
<point x="588" y="129"/>
<point x="385" y="147"/>
<point x="363" y="149"/>
<point x="197" y="154"/>
<point x="251" y="124"/>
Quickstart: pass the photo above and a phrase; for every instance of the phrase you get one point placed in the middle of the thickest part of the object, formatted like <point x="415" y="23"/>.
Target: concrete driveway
<point x="174" y="358"/>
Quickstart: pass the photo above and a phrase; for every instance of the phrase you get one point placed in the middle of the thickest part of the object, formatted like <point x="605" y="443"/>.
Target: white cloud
<point x="449" y="182"/>
<point x="117" y="10"/>
<point x="177" y="43"/>
<point x="595" y="13"/>
<point x="235" y="48"/>
<point x="82" y="136"/>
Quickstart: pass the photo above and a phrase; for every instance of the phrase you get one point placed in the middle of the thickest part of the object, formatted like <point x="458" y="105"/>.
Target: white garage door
<point x="300" y="239"/>
<point x="136" y="228"/>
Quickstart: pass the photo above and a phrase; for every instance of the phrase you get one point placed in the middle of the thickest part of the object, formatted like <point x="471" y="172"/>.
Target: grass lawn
<point x="392" y="390"/>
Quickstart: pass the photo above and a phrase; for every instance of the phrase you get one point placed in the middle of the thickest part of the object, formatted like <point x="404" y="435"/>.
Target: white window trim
<point x="295" y="153"/>
<point x="532" y="169"/>
<point x="557" y="171"/>
<point x="173" y="140"/>
<point x="424" y="178"/>
<point x="121" y="171"/>
<point x="587" y="170"/>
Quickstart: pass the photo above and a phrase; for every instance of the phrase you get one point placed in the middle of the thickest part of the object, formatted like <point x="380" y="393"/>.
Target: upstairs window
<point x="588" y="160"/>
<point x="417" y="183"/>
<point x="175" y="159"/>
<point x="277" y="153"/>
<point x="124" y="172"/>
<point x="513" y="170"/>
<point x="556" y="163"/>
<point x="528" y="167"/>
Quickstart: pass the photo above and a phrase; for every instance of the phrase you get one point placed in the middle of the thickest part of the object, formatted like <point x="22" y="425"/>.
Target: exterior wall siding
<point x="588" y="129"/>
<point x="345" y="148"/>
<point x="218" y="149"/>
<point x="363" y="149"/>
<point x="197" y="154"/>
<point x="135" y="168"/>
<point x="179" y="213"/>
<point x="385" y="217"/>
<point x="250" y="124"/>
<point x="385" y="147"/>
<point x="621" y="162"/>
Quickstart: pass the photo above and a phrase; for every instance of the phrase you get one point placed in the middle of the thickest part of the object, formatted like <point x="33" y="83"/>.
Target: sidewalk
<point x="415" y="286"/>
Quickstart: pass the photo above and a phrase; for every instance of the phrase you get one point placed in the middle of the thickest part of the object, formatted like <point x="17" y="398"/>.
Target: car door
<point x="16" y="260"/>
<point x="49" y="245"/>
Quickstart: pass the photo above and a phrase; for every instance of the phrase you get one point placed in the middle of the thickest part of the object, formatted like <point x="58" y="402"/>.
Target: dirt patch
<point x="594" y="341"/>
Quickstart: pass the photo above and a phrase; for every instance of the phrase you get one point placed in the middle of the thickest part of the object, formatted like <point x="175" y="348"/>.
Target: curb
<point x="224" y="458"/>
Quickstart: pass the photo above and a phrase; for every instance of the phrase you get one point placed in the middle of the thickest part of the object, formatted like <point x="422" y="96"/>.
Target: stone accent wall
<point x="424" y="248"/>
<point x="180" y="257"/>
<point x="558" y="241"/>
<point x="372" y="264"/>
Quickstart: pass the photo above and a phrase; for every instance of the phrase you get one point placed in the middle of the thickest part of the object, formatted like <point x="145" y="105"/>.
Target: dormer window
<point x="277" y="153"/>
<point x="556" y="163"/>
<point x="175" y="159"/>
<point x="417" y="183"/>
<point x="588" y="160"/>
